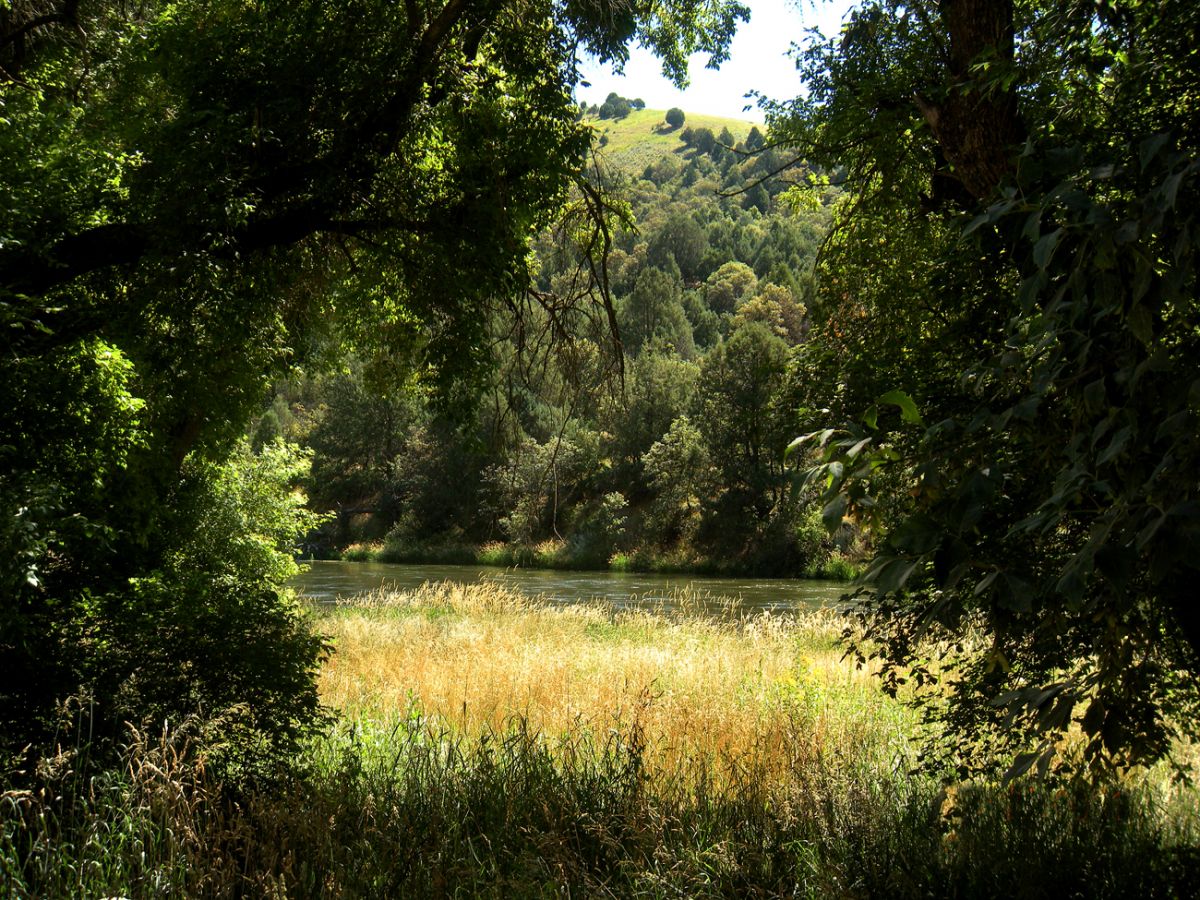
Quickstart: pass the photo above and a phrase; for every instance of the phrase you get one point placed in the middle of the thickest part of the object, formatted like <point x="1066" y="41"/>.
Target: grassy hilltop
<point x="643" y="136"/>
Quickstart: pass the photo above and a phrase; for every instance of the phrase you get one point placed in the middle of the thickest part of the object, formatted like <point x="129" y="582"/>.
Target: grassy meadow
<point x="488" y="745"/>
<point x="643" y="137"/>
<point x="726" y="694"/>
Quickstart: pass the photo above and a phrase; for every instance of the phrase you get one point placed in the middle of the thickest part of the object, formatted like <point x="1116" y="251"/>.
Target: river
<point x="328" y="580"/>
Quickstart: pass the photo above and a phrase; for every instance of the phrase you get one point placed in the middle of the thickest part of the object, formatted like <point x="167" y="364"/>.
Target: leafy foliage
<point x="202" y="196"/>
<point x="1038" y="310"/>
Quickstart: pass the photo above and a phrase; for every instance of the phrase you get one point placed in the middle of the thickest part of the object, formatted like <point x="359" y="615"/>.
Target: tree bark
<point x="975" y="121"/>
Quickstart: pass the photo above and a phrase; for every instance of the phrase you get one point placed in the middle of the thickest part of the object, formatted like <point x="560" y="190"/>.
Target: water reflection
<point x="328" y="580"/>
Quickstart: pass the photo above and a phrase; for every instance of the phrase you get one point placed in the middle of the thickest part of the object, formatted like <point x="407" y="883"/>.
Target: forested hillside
<point x="667" y="451"/>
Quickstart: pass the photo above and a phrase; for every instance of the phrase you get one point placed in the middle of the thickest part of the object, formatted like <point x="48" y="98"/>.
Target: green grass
<point x="405" y="808"/>
<point x="836" y="568"/>
<point x="644" y="136"/>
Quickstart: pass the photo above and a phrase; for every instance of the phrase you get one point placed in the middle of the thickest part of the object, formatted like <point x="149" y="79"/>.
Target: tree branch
<point x="67" y="16"/>
<point x="33" y="273"/>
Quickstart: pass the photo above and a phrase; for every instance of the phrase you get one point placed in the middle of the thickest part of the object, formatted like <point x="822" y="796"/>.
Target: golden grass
<point x="749" y="689"/>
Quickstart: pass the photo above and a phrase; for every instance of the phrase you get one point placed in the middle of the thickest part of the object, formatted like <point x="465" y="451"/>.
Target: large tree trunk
<point x="975" y="121"/>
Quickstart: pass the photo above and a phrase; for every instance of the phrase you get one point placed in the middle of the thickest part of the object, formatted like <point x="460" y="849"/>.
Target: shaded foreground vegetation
<point x="492" y="746"/>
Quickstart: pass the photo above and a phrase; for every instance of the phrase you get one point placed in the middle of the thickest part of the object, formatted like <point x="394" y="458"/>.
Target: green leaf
<point x="1043" y="250"/>
<point x="853" y="452"/>
<point x="1094" y="395"/>
<point x="1150" y="147"/>
<point x="1033" y="225"/>
<point x="1148" y="531"/>
<point x="821" y="438"/>
<point x="1116" y="445"/>
<point x="908" y="409"/>
<point x="1141" y="324"/>
<point x="1171" y="189"/>
<point x="833" y="513"/>
<point x="1022" y="764"/>
<point x="795" y="445"/>
<point x="894" y="575"/>
<point x="985" y="582"/>
<point x="975" y="224"/>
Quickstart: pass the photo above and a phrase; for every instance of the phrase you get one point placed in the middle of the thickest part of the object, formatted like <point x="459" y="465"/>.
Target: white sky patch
<point x="758" y="60"/>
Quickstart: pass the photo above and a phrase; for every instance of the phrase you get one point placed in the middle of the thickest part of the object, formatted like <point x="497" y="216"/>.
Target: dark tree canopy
<point x="197" y="197"/>
<point x="1013" y="344"/>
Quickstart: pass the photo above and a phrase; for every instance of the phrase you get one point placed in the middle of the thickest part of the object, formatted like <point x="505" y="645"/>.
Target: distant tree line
<point x="614" y="107"/>
<point x="682" y="460"/>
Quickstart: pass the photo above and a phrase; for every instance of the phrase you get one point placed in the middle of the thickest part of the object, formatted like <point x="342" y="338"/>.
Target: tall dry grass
<point x="743" y="689"/>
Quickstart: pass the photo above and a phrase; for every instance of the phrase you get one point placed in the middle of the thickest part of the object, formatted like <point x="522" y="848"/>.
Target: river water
<point x="328" y="580"/>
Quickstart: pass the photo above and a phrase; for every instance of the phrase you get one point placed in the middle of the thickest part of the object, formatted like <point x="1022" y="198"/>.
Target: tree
<point x="1020" y="247"/>
<point x="679" y="242"/>
<point x="738" y="411"/>
<point x="675" y="117"/>
<point x="198" y="196"/>
<point x="757" y="197"/>
<point x="703" y="140"/>
<point x="658" y="390"/>
<point x="357" y="435"/>
<point x="728" y="286"/>
<point x="653" y="313"/>
<point x="778" y="309"/>
<point x="435" y="481"/>
<point x="541" y="480"/>
<point x="678" y="469"/>
<point x="615" y="107"/>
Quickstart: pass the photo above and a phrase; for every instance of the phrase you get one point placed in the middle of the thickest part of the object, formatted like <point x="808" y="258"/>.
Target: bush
<point x="675" y="117"/>
<point x="212" y="632"/>
<point x="217" y="632"/>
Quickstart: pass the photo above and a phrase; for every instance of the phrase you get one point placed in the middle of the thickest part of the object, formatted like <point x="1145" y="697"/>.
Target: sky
<point x="758" y="61"/>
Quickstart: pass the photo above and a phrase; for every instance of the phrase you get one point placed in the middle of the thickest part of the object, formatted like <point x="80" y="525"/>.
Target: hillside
<point x="643" y="136"/>
<point x="678" y="466"/>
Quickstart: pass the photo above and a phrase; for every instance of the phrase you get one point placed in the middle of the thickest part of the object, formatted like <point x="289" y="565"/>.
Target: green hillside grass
<point x="643" y="136"/>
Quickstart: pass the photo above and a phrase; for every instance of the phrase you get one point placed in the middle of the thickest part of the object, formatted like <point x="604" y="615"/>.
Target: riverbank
<point x="327" y="581"/>
<point x="562" y="555"/>
<point x="488" y="745"/>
